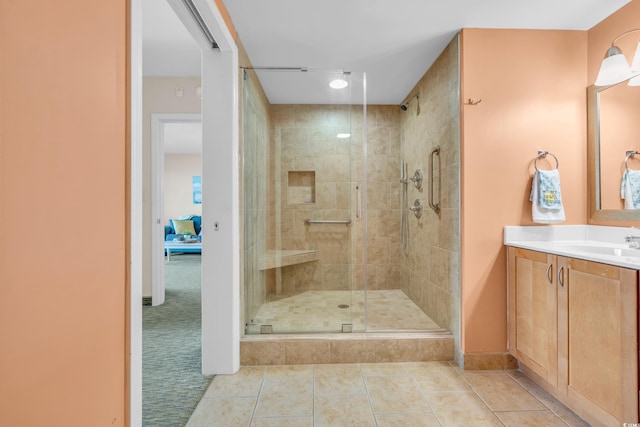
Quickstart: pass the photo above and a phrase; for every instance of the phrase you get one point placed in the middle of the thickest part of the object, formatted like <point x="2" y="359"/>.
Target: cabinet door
<point x="533" y="304"/>
<point x="598" y="350"/>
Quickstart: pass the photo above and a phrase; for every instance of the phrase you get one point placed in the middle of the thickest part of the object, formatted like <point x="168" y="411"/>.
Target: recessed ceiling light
<point x="338" y="84"/>
<point x="343" y="135"/>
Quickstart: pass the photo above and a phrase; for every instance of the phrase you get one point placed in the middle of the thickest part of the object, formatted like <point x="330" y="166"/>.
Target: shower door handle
<point x="358" y="203"/>
<point x="432" y="205"/>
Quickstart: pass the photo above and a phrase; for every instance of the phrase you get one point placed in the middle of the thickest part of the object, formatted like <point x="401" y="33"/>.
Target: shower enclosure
<point x="321" y="196"/>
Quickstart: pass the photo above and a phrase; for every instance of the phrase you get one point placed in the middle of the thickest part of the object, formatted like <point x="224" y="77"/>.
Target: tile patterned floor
<point x="318" y="311"/>
<point x="378" y="395"/>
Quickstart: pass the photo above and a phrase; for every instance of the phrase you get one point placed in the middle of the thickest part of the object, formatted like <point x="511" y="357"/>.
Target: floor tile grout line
<point x="424" y="395"/>
<point x="415" y="383"/>
<point x="313" y="392"/>
<point x="480" y="397"/>
<point x="549" y="408"/>
<point x="255" y="408"/>
<point x="366" y="388"/>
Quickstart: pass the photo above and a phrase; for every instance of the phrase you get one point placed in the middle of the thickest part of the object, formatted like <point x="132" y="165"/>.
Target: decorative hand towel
<point x="630" y="189"/>
<point x="546" y="197"/>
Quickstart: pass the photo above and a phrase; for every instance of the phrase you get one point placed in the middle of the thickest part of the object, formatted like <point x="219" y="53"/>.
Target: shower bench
<point x="282" y="258"/>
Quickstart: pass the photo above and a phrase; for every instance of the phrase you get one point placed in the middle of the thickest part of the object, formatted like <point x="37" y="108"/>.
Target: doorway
<point x="220" y="272"/>
<point x="172" y="134"/>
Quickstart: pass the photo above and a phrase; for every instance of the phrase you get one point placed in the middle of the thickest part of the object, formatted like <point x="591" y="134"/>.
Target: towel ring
<point x="630" y="155"/>
<point x="543" y="154"/>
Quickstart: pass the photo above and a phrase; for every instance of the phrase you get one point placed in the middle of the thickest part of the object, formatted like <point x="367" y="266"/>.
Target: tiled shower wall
<point x="430" y="269"/>
<point x="304" y="143"/>
<point x="255" y="136"/>
<point x="383" y="192"/>
<point x="304" y="139"/>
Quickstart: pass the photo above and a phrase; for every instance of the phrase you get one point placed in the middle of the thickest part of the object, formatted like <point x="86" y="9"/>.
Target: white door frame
<point x="158" y="120"/>
<point x="220" y="184"/>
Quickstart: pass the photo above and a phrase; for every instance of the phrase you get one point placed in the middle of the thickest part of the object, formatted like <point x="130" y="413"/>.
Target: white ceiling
<point x="393" y="41"/>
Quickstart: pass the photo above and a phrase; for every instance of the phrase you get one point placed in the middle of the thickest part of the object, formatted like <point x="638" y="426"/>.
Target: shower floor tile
<point x="327" y="311"/>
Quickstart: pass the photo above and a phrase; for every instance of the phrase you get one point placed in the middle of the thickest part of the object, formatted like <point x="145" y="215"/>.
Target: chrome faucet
<point x="633" y="241"/>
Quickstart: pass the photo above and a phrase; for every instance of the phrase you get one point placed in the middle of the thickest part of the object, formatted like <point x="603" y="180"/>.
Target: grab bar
<point x="432" y="205"/>
<point x="327" y="221"/>
<point x="359" y="203"/>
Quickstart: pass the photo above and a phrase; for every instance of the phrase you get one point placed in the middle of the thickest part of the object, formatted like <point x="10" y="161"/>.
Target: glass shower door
<point x="303" y="202"/>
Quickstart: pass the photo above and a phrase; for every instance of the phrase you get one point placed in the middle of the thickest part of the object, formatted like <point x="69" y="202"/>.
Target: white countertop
<point x="578" y="241"/>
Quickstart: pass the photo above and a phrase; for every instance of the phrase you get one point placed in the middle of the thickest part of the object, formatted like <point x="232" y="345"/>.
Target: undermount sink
<point x="613" y="250"/>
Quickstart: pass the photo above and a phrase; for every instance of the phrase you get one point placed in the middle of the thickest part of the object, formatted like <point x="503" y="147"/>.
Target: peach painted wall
<point x="599" y="40"/>
<point x="532" y="86"/>
<point x="63" y="210"/>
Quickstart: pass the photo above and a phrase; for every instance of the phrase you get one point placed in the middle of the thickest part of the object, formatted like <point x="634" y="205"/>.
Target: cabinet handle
<point x="549" y="273"/>
<point x="561" y="276"/>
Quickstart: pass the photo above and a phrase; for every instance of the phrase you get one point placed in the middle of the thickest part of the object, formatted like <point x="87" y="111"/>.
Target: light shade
<point x="614" y="68"/>
<point x="343" y="135"/>
<point x="635" y="64"/>
<point x="338" y="84"/>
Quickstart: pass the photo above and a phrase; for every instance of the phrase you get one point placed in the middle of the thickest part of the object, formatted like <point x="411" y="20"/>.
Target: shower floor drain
<point x="343" y="305"/>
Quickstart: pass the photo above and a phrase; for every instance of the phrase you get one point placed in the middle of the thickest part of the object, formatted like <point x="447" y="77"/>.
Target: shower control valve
<point x="416" y="208"/>
<point x="417" y="178"/>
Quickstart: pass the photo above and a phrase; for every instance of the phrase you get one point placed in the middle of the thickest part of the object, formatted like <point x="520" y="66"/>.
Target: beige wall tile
<point x="307" y="352"/>
<point x="397" y="350"/>
<point x="261" y="353"/>
<point x="353" y="351"/>
<point x="437" y="349"/>
<point x="489" y="361"/>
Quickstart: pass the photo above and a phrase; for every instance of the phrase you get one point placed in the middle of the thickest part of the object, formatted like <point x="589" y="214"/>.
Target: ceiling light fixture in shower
<point x="338" y="84"/>
<point x="343" y="135"/>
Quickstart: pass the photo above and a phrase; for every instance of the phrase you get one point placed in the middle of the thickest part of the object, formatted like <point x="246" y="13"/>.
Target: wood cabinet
<point x="573" y="325"/>
<point x="533" y="310"/>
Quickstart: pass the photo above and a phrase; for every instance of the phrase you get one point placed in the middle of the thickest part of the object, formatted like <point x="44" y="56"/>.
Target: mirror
<point x="613" y="129"/>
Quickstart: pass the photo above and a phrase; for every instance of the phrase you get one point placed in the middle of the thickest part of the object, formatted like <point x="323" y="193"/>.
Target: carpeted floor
<point x="172" y="382"/>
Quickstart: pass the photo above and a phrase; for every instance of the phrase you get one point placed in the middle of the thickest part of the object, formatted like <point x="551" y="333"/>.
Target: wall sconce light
<point x="616" y="69"/>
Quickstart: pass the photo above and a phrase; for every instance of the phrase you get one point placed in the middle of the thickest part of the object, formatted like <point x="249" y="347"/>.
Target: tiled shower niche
<point x="301" y="187"/>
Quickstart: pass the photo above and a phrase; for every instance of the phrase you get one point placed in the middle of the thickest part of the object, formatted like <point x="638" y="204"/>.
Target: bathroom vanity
<point x="573" y="316"/>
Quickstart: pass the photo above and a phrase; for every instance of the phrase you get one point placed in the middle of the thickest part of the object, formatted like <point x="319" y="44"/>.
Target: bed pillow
<point x="184" y="226"/>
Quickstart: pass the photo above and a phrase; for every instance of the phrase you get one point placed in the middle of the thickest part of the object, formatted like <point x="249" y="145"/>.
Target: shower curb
<point x="371" y="347"/>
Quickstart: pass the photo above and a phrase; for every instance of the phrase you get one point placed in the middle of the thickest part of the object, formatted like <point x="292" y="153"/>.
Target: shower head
<point x="405" y="104"/>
